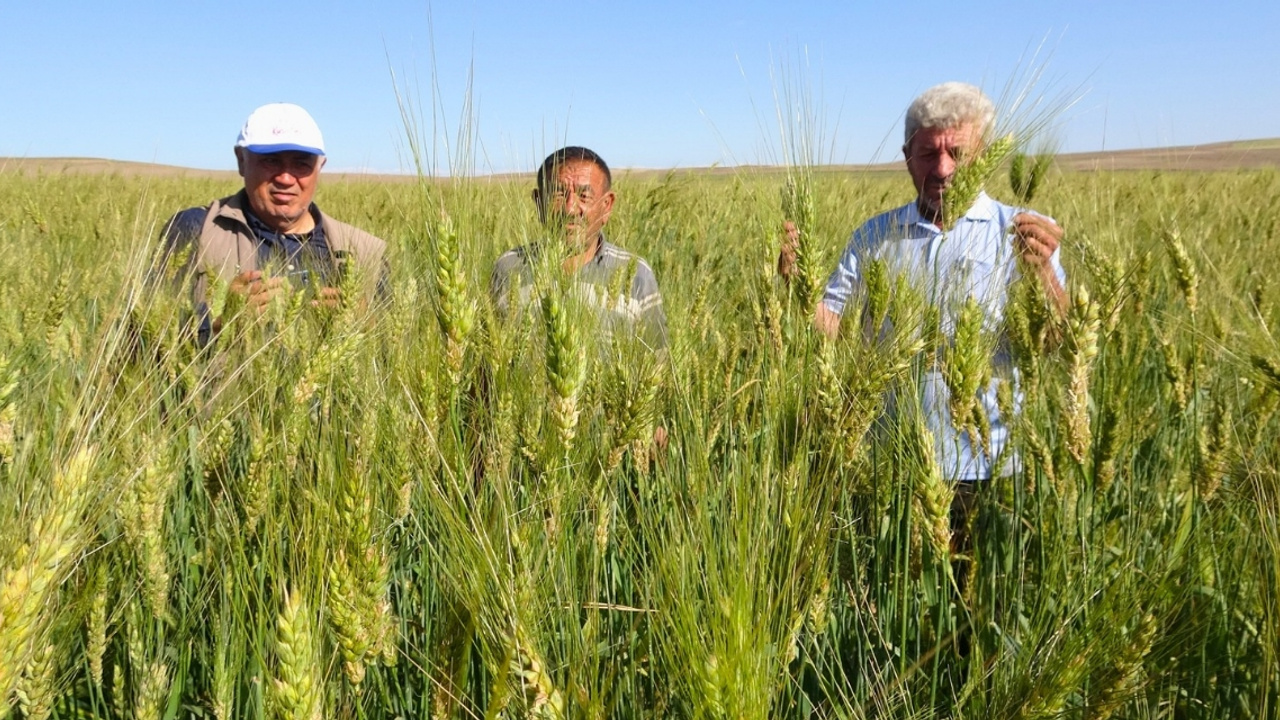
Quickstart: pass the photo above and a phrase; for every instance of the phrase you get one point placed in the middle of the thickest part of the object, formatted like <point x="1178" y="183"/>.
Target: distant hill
<point x="96" y="165"/>
<point x="1247" y="154"/>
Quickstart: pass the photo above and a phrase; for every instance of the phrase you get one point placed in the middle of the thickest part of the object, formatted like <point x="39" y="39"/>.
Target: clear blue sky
<point x="647" y="84"/>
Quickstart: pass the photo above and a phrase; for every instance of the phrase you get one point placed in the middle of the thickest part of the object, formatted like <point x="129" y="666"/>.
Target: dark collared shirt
<point x="304" y="257"/>
<point x="295" y="252"/>
<point x="307" y="251"/>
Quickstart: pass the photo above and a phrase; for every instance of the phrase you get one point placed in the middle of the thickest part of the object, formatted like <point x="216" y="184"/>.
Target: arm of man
<point x="842" y="283"/>
<point x="652" y="320"/>
<point x="177" y="256"/>
<point x="503" y="279"/>
<point x="653" y="326"/>
<point x="787" y="254"/>
<point x="371" y="283"/>
<point x="1037" y="239"/>
<point x="826" y="320"/>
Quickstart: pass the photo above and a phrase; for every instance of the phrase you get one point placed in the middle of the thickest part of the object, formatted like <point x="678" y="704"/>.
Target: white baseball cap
<point x="278" y="127"/>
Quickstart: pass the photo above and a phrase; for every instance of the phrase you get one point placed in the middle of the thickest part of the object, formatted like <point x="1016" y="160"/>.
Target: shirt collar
<point x="239" y="210"/>
<point x="982" y="210"/>
<point x="603" y="243"/>
<point x="534" y="250"/>
<point x="269" y="235"/>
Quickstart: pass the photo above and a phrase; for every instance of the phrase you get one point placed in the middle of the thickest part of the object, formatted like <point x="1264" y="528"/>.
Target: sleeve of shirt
<point x="1056" y="261"/>
<point x="498" y="281"/>
<point x="653" y="319"/>
<point x="504" y="268"/>
<point x="847" y="277"/>
<point x="185" y="225"/>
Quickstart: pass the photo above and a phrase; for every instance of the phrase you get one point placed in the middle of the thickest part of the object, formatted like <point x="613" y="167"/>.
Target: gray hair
<point x="949" y="105"/>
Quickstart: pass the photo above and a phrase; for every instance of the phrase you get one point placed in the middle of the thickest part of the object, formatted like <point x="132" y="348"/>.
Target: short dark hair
<point x="566" y="155"/>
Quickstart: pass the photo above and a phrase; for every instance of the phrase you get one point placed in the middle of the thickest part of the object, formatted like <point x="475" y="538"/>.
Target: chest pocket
<point x="982" y="281"/>
<point x="969" y="278"/>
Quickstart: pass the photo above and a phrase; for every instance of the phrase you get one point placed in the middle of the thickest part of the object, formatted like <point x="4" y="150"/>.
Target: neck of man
<point x="298" y="226"/>
<point x="928" y="212"/>
<point x="573" y="263"/>
<point x="304" y="224"/>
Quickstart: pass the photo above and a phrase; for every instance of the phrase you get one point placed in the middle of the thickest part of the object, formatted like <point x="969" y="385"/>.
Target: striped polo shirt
<point x="599" y="283"/>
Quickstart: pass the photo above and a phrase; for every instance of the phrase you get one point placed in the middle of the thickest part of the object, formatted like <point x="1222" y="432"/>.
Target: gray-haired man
<point x="979" y="257"/>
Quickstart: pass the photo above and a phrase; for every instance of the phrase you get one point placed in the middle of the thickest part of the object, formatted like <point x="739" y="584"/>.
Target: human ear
<point x="607" y="199"/>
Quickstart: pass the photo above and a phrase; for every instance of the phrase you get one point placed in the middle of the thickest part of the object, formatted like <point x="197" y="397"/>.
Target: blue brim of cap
<point x="283" y="147"/>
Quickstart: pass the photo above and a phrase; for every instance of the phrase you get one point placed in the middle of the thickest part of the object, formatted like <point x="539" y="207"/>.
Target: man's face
<point x="932" y="158"/>
<point x="280" y="186"/>
<point x="577" y="202"/>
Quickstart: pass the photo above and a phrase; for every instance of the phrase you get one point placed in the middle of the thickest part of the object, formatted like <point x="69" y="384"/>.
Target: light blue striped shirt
<point x="974" y="259"/>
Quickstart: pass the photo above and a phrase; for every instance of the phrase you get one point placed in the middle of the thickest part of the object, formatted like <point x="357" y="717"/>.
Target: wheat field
<point x="424" y="510"/>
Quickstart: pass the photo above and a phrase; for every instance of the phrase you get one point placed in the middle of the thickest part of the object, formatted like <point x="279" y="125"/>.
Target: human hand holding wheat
<point x="787" y="254"/>
<point x="1036" y="239"/>
<point x="660" y="438"/>
<point x="329" y="298"/>
<point x="257" y="291"/>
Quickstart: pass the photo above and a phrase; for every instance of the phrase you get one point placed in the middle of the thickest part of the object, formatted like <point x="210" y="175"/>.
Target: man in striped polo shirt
<point x="575" y="199"/>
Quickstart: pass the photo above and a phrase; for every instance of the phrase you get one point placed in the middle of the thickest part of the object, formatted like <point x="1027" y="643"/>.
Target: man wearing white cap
<point x="273" y="222"/>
